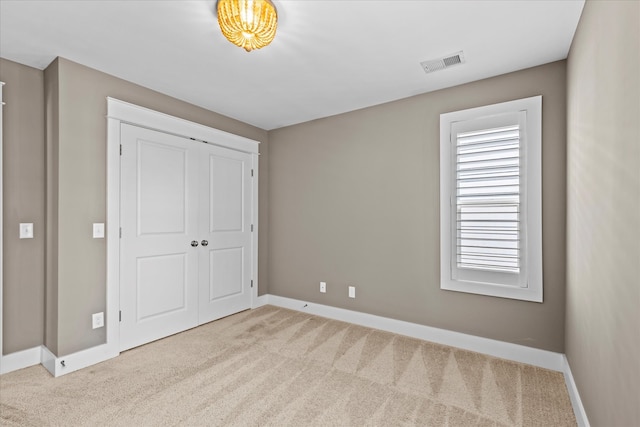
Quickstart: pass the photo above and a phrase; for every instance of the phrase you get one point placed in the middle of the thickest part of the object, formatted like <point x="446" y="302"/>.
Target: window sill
<point x="500" y="291"/>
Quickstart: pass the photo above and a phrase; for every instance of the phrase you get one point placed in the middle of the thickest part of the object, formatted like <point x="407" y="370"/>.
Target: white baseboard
<point x="261" y="300"/>
<point x="20" y="359"/>
<point x="48" y="360"/>
<point x="518" y="353"/>
<point x="52" y="363"/>
<point x="81" y="359"/>
<point x="576" y="402"/>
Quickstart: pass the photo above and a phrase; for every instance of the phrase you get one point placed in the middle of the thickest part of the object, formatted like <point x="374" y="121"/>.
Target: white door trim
<point x="123" y="112"/>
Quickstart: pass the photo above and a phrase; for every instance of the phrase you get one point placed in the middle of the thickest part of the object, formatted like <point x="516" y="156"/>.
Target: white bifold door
<point x="186" y="245"/>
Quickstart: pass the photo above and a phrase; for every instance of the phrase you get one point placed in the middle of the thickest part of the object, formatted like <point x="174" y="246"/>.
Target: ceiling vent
<point x="441" y="63"/>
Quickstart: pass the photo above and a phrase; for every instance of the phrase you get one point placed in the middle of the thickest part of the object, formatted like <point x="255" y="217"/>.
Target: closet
<point x="187" y="250"/>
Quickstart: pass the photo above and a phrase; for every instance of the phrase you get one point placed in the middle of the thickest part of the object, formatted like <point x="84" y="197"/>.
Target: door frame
<point x="119" y="112"/>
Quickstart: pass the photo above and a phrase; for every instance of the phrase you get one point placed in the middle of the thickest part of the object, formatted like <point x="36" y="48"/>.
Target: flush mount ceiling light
<point x="250" y="24"/>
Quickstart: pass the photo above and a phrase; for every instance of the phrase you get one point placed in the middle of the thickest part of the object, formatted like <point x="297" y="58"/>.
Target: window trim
<point x="532" y="288"/>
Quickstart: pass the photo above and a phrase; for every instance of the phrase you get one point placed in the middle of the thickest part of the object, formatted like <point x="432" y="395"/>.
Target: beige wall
<point x="24" y="201"/>
<point x="81" y="190"/>
<point x="354" y="200"/>
<point x="603" y="212"/>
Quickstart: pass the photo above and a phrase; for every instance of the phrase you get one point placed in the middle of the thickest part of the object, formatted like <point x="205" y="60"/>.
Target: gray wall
<point x="354" y="200"/>
<point x="24" y="201"/>
<point x="603" y="212"/>
<point x="79" y="183"/>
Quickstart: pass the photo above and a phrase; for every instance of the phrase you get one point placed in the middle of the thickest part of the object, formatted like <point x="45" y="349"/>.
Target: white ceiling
<point x="328" y="57"/>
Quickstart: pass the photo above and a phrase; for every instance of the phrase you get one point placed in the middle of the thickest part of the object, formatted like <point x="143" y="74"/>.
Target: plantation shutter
<point x="488" y="232"/>
<point x="488" y="199"/>
<point x="491" y="200"/>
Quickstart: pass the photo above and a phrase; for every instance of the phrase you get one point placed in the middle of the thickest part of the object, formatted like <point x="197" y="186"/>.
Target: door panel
<point x="225" y="268"/>
<point x="225" y="273"/>
<point x="225" y="204"/>
<point x="166" y="273"/>
<point x="159" y="219"/>
<point x="162" y="179"/>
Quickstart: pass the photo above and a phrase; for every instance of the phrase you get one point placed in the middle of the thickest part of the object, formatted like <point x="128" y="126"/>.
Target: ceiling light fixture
<point x="250" y="24"/>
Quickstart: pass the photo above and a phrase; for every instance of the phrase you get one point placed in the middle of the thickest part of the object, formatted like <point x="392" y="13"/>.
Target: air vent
<point x="441" y="63"/>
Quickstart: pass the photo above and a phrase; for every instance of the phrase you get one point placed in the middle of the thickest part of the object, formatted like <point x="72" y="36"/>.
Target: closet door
<point x="159" y="221"/>
<point x="225" y="230"/>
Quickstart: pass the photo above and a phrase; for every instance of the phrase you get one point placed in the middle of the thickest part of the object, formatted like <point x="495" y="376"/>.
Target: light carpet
<point x="277" y="367"/>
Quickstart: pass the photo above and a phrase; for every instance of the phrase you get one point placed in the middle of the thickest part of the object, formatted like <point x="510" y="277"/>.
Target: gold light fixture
<point x="250" y="24"/>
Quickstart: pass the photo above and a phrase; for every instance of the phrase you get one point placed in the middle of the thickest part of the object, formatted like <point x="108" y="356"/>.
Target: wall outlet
<point x="352" y="291"/>
<point x="97" y="320"/>
<point x="26" y="230"/>
<point x="323" y="287"/>
<point x="98" y="230"/>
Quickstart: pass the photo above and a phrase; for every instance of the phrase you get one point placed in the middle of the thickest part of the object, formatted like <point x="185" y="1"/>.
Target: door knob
<point x="194" y="243"/>
<point x="204" y="243"/>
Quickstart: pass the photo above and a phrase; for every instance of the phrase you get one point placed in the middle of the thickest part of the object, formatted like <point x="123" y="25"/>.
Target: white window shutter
<point x="488" y="176"/>
<point x="490" y="201"/>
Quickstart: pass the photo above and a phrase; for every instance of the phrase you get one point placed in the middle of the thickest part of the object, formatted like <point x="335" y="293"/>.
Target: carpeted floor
<point x="278" y="367"/>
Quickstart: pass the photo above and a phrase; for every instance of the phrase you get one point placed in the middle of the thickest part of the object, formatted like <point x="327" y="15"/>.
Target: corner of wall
<point x="574" y="395"/>
<point x="51" y="86"/>
<point x="263" y="220"/>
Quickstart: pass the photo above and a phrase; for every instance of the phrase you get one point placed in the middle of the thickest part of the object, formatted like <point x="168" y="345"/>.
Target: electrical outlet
<point x="352" y="291"/>
<point x="323" y="287"/>
<point x="98" y="230"/>
<point x="97" y="320"/>
<point x="26" y="230"/>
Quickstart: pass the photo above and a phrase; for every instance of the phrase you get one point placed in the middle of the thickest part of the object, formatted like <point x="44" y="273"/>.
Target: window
<point x="490" y="200"/>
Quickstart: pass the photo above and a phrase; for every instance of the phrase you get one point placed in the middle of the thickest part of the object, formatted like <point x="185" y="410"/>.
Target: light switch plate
<point x="26" y="230"/>
<point x="352" y="291"/>
<point x="98" y="230"/>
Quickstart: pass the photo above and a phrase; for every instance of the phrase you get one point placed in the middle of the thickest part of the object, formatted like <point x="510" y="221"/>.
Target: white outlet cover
<point x="98" y="230"/>
<point x="97" y="320"/>
<point x="323" y="287"/>
<point x="26" y="230"/>
<point x="352" y="291"/>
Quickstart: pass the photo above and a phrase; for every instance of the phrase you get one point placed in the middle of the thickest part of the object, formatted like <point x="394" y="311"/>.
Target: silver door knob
<point x="204" y="243"/>
<point x="194" y="243"/>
